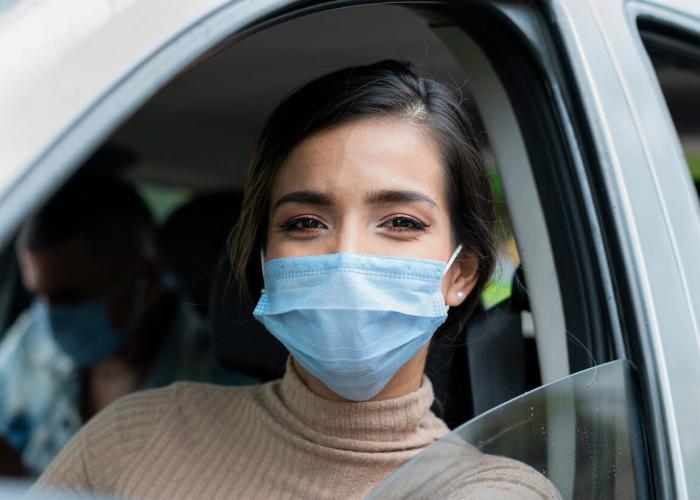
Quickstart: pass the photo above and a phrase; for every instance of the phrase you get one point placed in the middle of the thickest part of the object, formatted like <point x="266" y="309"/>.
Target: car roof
<point x="60" y="60"/>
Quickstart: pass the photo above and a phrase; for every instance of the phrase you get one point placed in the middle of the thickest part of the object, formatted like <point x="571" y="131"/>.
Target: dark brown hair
<point x="384" y="89"/>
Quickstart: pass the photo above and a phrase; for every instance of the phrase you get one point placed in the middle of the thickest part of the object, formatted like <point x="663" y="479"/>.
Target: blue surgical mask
<point x="353" y="320"/>
<point x="83" y="331"/>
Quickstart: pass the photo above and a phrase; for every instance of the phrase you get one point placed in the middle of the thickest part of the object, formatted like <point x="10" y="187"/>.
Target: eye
<point x="303" y="224"/>
<point x="404" y="223"/>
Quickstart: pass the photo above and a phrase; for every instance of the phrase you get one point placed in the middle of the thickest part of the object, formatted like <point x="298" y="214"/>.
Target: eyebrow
<point x="378" y="197"/>
<point x="305" y="197"/>
<point x="393" y="196"/>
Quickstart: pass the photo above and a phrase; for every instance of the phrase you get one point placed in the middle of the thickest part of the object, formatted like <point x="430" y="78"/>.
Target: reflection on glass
<point x="581" y="432"/>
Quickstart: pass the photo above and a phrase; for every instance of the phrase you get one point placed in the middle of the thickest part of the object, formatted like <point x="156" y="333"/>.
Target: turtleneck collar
<point x="401" y="423"/>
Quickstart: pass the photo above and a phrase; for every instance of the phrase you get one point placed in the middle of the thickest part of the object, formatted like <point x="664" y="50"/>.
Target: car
<point x="589" y="368"/>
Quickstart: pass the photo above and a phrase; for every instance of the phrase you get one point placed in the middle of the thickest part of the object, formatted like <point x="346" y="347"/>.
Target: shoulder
<point x="116" y="438"/>
<point x="135" y="418"/>
<point x="18" y="334"/>
<point x="25" y="347"/>
<point x="495" y="477"/>
<point x="453" y="468"/>
<point x="108" y="441"/>
<point x="27" y="341"/>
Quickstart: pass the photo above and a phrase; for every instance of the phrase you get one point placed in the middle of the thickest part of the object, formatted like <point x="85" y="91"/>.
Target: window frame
<point x="674" y="19"/>
<point x="650" y="217"/>
<point x="585" y="244"/>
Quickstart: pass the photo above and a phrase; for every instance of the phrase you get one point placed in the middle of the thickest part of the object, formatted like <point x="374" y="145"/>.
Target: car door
<point x="654" y="209"/>
<point x="607" y="458"/>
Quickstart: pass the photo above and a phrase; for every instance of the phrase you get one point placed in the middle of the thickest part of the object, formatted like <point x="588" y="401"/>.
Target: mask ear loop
<point x="262" y="268"/>
<point x="452" y="259"/>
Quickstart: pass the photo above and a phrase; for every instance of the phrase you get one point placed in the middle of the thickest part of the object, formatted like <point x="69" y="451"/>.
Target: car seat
<point x="191" y="241"/>
<point x="241" y="343"/>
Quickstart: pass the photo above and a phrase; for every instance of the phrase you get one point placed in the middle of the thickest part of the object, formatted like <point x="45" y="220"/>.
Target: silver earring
<point x="460" y="295"/>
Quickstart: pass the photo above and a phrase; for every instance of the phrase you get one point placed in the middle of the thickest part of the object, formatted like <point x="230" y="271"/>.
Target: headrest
<point x="192" y="238"/>
<point x="496" y="349"/>
<point x="241" y="343"/>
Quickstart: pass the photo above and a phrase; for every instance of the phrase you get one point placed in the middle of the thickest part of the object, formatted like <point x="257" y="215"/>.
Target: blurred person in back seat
<point x="102" y="324"/>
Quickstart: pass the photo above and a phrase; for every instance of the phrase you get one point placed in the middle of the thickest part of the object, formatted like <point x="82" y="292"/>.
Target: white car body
<point x="70" y="72"/>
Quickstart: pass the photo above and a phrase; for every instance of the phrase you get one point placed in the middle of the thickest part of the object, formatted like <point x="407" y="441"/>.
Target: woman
<point x="368" y="221"/>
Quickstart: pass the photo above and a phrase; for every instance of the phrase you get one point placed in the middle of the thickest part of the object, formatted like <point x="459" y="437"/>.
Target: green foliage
<point x="162" y="200"/>
<point x="694" y="166"/>
<point x="494" y="293"/>
<point x="497" y="187"/>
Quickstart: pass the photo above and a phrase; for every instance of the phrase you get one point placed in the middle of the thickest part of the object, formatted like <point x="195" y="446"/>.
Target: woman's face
<point x="374" y="186"/>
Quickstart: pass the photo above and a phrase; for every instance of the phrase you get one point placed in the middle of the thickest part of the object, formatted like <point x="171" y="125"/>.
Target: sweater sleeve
<point x="454" y="469"/>
<point x="498" y="478"/>
<point x="96" y="457"/>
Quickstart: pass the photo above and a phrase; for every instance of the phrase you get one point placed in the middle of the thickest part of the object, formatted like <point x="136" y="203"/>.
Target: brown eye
<point x="302" y="224"/>
<point x="404" y="223"/>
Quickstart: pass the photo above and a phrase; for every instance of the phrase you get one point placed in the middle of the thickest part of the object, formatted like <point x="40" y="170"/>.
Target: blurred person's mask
<point x="84" y="330"/>
<point x="353" y="320"/>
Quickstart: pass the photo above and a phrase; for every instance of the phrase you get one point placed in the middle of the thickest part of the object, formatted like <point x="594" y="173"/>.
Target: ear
<point x="460" y="279"/>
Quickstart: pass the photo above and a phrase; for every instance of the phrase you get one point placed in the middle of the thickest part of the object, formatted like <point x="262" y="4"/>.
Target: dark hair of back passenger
<point x="105" y="211"/>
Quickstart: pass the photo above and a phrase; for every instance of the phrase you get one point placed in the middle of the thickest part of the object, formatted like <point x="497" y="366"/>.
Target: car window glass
<point x="582" y="432"/>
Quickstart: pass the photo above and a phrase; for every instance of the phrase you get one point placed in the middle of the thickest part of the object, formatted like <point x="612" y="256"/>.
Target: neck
<point x="116" y="377"/>
<point x="408" y="379"/>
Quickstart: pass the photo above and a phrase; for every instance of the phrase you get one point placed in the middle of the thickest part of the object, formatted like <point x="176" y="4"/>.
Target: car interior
<point x="192" y="140"/>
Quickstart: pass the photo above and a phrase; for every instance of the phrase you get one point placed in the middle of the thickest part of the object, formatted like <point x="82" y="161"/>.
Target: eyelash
<point x="416" y="225"/>
<point x="292" y="224"/>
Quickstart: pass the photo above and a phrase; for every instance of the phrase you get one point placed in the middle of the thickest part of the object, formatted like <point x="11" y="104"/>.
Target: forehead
<point x="365" y="155"/>
<point x="68" y="265"/>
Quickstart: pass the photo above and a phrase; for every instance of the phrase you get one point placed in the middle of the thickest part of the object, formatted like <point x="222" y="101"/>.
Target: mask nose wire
<point x="449" y="263"/>
<point x="452" y="259"/>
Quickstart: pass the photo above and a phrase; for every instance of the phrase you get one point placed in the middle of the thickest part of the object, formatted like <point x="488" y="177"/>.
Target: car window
<point x="539" y="325"/>
<point x="212" y="97"/>
<point x="582" y="432"/>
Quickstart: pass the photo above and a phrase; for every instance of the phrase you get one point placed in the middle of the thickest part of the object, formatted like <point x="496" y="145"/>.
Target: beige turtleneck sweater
<point x="275" y="440"/>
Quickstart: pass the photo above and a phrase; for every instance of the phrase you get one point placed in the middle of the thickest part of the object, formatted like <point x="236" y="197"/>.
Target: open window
<point x="199" y="130"/>
<point x="191" y="112"/>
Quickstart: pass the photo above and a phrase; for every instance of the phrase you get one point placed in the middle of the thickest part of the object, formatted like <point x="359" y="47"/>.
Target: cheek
<point x="270" y="241"/>
<point x="273" y="247"/>
<point x="29" y="273"/>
